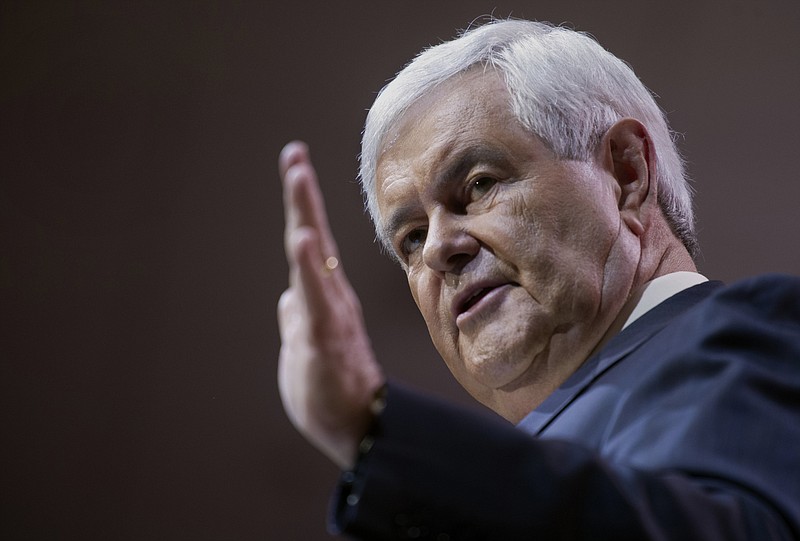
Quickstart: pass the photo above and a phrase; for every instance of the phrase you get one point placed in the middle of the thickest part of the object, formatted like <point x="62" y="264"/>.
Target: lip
<point x="488" y="286"/>
<point x="492" y="298"/>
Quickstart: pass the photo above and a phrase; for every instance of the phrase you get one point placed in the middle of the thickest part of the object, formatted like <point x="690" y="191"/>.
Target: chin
<point x="500" y="369"/>
<point x="502" y="358"/>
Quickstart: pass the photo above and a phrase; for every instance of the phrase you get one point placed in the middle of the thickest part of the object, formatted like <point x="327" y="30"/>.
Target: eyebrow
<point x="460" y="164"/>
<point x="467" y="159"/>
<point x="394" y="221"/>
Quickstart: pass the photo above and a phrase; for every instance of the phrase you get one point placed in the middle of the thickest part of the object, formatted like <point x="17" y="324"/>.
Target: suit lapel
<point x="617" y="348"/>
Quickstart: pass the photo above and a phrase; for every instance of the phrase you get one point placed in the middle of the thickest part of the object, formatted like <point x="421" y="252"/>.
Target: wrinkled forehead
<point x="465" y="111"/>
<point x="478" y="87"/>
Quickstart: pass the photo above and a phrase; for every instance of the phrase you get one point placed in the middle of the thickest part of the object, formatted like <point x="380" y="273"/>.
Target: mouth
<point x="474" y="299"/>
<point x="473" y="295"/>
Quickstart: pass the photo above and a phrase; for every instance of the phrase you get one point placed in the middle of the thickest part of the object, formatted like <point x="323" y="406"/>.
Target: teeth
<point x="473" y="299"/>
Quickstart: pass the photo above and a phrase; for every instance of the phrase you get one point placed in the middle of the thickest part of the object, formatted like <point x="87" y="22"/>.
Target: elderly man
<point x="528" y="185"/>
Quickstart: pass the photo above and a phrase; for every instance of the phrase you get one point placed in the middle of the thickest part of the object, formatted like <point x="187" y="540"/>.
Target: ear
<point x="627" y="154"/>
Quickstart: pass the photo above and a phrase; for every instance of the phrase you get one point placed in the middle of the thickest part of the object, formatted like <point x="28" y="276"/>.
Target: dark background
<point x="140" y="230"/>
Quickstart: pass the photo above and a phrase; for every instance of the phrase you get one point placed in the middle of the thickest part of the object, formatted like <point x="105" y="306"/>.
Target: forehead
<point x="467" y="112"/>
<point x="448" y="110"/>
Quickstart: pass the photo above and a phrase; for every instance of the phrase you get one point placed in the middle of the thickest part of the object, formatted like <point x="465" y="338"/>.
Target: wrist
<point x="376" y="406"/>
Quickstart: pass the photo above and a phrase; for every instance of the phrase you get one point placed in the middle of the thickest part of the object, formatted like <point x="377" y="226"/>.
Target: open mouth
<point x="480" y="294"/>
<point x="475" y="298"/>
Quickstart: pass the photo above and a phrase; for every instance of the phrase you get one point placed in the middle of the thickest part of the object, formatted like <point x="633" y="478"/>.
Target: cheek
<point x="578" y="227"/>
<point x="415" y="286"/>
<point x="561" y="253"/>
<point x="427" y="295"/>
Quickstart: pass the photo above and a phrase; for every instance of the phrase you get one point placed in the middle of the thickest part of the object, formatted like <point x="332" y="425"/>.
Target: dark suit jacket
<point x="685" y="426"/>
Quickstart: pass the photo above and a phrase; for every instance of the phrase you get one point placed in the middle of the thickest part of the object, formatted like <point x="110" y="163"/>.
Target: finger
<point x="306" y="205"/>
<point x="295" y="197"/>
<point x="308" y="276"/>
<point x="303" y="199"/>
<point x="294" y="164"/>
<point x="294" y="152"/>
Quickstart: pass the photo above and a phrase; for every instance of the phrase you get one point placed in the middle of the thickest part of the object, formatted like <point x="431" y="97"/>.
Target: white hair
<point x="565" y="88"/>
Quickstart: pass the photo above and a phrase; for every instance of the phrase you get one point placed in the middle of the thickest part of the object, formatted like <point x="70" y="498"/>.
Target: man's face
<point x="517" y="260"/>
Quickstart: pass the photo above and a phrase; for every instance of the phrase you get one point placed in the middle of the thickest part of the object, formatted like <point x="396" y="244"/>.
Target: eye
<point x="480" y="187"/>
<point x="413" y="241"/>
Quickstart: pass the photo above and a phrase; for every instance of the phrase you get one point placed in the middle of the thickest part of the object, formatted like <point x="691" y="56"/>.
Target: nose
<point x="448" y="245"/>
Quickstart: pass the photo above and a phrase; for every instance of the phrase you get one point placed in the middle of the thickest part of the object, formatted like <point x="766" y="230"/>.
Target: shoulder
<point x="727" y="366"/>
<point x="780" y="291"/>
<point x="717" y="349"/>
<point x="760" y="302"/>
<point x="757" y="313"/>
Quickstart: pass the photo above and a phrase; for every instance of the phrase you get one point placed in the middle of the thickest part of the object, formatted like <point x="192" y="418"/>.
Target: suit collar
<point x="616" y="349"/>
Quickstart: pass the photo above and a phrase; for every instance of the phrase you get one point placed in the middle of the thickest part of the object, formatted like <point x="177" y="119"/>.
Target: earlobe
<point x="629" y="159"/>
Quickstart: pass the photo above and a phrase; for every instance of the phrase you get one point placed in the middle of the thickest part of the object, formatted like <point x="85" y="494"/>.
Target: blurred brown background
<point x="141" y="221"/>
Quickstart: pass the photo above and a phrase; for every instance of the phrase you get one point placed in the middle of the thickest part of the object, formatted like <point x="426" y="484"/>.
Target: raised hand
<point x="327" y="373"/>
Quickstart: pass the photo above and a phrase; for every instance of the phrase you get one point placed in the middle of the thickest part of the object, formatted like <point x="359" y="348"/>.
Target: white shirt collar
<point x="657" y="291"/>
<point x="648" y="297"/>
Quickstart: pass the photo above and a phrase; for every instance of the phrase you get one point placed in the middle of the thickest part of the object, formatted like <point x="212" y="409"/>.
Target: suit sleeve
<point x="435" y="471"/>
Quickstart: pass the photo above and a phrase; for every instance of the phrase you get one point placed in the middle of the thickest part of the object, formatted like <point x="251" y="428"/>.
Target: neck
<point x="662" y="253"/>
